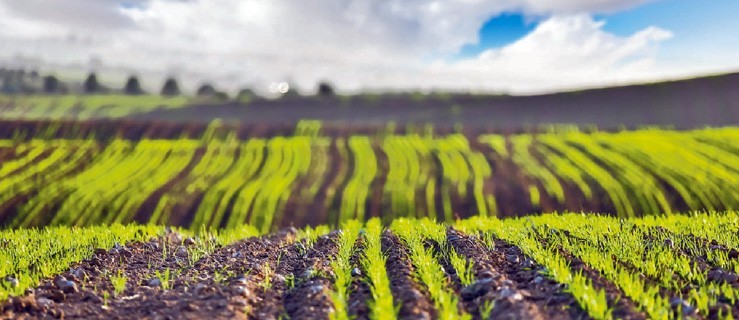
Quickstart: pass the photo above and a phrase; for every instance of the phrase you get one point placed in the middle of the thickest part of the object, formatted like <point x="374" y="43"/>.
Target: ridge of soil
<point x="511" y="280"/>
<point x="412" y="298"/>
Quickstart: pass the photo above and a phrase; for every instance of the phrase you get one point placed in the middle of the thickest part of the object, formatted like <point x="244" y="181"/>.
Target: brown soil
<point x="359" y="291"/>
<point x="274" y="276"/>
<point x="413" y="300"/>
<point x="205" y="289"/>
<point x="505" y="275"/>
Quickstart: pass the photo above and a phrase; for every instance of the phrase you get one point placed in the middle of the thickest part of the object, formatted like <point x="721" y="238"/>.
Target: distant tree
<point x="221" y="96"/>
<point x="246" y="95"/>
<point x="91" y="84"/>
<point x="170" y="88"/>
<point x="206" y="90"/>
<point x="51" y="84"/>
<point x="325" y="90"/>
<point x="133" y="87"/>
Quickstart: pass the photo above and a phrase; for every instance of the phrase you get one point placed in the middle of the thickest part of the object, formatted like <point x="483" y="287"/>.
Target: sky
<point x="499" y="46"/>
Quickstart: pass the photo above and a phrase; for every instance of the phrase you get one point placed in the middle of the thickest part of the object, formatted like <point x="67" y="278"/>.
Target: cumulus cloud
<point x="355" y="43"/>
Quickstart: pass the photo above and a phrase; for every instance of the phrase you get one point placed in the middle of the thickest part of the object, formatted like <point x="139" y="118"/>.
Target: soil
<point x="275" y="276"/>
<point x="505" y="275"/>
<point x="359" y="290"/>
<point x="413" y="300"/>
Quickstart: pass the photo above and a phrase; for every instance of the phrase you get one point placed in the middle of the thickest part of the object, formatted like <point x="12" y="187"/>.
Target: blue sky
<point x="702" y="29"/>
<point x="516" y="46"/>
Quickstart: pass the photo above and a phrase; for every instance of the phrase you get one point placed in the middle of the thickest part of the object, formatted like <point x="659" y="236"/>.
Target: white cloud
<point x="354" y="43"/>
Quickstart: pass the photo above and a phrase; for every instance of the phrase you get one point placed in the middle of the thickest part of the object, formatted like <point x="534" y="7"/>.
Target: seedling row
<point x="567" y="266"/>
<point x="220" y="181"/>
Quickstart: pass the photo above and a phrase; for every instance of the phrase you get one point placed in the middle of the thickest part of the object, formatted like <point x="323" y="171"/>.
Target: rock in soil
<point x="477" y="289"/>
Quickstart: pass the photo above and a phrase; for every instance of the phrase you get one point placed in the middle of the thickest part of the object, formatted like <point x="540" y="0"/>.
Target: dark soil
<point x="505" y="275"/>
<point x="359" y="291"/>
<point x="413" y="300"/>
<point x="205" y="289"/>
<point x="275" y="277"/>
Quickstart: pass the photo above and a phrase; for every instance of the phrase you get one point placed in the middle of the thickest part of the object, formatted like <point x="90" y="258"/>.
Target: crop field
<point x="219" y="180"/>
<point x="119" y="219"/>
<point x="83" y="106"/>
<point x="569" y="266"/>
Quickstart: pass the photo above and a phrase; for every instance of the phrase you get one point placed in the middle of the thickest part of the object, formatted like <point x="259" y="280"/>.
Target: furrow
<point x="408" y="294"/>
<point x="505" y="276"/>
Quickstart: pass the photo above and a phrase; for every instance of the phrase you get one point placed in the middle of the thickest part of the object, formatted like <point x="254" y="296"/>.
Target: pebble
<point x="356" y="272"/>
<point x="528" y="264"/>
<point x="44" y="303"/>
<point x="677" y="304"/>
<point x="181" y="251"/>
<point x="240" y="291"/>
<point x="508" y="293"/>
<point x="237" y="254"/>
<point x="538" y="280"/>
<point x="12" y="281"/>
<point x="512" y="258"/>
<point x="478" y="288"/>
<point x="453" y="238"/>
<point x="154" y="282"/>
<point x="189" y="241"/>
<point x="315" y="289"/>
<point x="78" y="273"/>
<point x="125" y="252"/>
<point x="66" y="286"/>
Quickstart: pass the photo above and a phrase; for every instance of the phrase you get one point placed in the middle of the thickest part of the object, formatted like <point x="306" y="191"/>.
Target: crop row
<point x="220" y="181"/>
<point x="660" y="267"/>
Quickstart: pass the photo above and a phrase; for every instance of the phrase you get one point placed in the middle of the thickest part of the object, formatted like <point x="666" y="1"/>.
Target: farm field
<point x="81" y="107"/>
<point x="219" y="180"/>
<point x="569" y="266"/>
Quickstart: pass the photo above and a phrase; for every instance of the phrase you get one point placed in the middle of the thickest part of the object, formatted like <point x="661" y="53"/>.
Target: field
<point x="118" y="207"/>
<point x="222" y="181"/>
<point x="570" y="266"/>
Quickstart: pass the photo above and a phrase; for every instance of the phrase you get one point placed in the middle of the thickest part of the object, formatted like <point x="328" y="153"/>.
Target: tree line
<point x="19" y="81"/>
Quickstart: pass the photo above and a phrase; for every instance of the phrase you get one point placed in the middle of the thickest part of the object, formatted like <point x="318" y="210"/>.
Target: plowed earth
<point x="278" y="276"/>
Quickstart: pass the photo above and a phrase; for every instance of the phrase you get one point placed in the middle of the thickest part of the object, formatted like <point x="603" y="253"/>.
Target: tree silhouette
<point x="133" y="87"/>
<point x="325" y="90"/>
<point x="51" y="84"/>
<point x="170" y="88"/>
<point x="91" y="84"/>
<point x="206" y="90"/>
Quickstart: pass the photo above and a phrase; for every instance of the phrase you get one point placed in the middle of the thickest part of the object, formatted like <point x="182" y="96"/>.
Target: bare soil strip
<point x="359" y="291"/>
<point x="414" y="302"/>
<point x="310" y="296"/>
<point x="505" y="275"/>
<point x="197" y="291"/>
